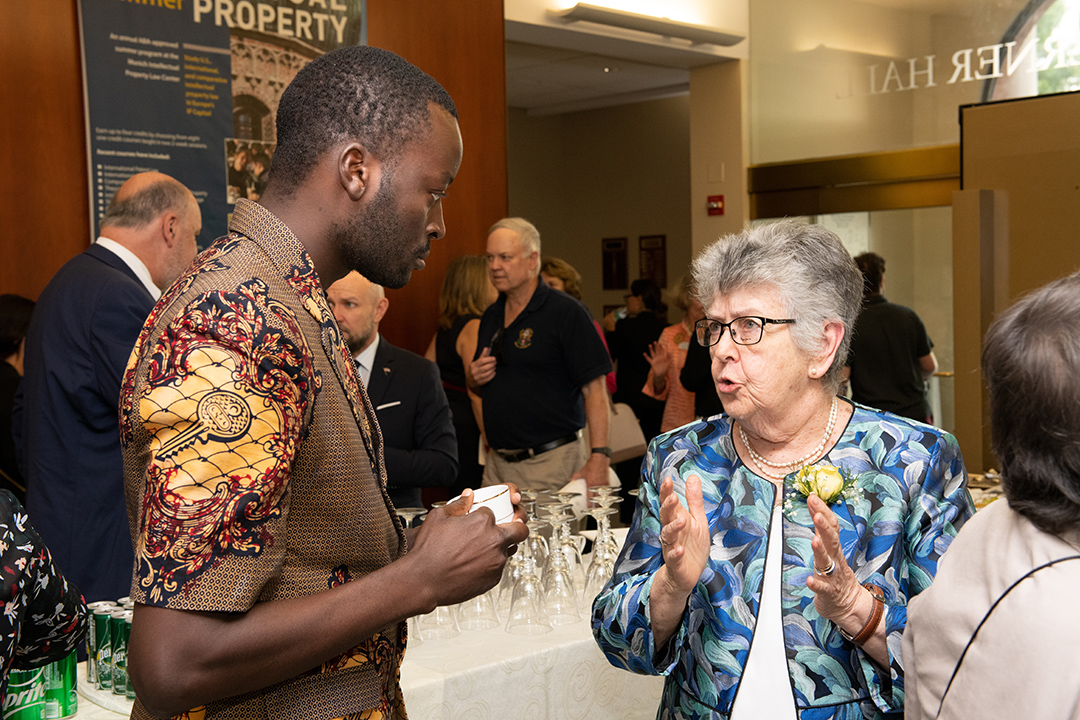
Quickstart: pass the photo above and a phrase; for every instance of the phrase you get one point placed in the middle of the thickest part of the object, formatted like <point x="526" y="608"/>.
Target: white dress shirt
<point x="365" y="359"/>
<point x="132" y="261"/>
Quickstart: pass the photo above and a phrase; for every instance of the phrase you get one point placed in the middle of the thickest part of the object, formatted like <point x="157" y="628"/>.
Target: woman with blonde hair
<point x="466" y="292"/>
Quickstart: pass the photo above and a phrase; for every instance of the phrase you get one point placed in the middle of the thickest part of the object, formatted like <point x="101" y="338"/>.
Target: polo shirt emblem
<point x="524" y="338"/>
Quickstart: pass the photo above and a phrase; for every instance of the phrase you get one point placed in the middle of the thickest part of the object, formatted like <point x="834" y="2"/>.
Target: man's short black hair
<point x="15" y="312"/>
<point x="358" y="93"/>
<point x="872" y="267"/>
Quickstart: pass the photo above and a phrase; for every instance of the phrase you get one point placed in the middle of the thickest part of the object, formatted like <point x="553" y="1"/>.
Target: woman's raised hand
<point x="659" y="358"/>
<point x="684" y="535"/>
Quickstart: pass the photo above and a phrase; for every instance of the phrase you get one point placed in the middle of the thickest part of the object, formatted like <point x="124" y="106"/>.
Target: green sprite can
<point x="61" y="698"/>
<point x="91" y="642"/>
<point x="127" y="637"/>
<point x="25" y="698"/>
<point x="119" y="629"/>
<point x="103" y="648"/>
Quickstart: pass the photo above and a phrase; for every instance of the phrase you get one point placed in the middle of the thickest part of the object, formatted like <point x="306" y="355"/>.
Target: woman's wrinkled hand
<point x="836" y="594"/>
<point x="684" y="535"/>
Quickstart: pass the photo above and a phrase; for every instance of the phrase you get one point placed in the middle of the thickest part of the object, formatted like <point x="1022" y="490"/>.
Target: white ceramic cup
<point x="497" y="499"/>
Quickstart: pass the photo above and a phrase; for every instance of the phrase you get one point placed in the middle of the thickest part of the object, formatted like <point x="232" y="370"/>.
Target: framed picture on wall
<point x="653" y="255"/>
<point x="614" y="263"/>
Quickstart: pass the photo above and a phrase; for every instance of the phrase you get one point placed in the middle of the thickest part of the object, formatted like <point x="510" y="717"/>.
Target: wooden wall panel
<point x="463" y="50"/>
<point x="44" y="205"/>
<point x="1014" y="230"/>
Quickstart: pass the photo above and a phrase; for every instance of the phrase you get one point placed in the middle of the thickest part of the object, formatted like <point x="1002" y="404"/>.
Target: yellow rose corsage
<point x="828" y="482"/>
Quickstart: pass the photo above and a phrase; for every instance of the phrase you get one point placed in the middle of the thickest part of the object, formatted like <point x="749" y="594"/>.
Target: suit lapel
<point x="381" y="372"/>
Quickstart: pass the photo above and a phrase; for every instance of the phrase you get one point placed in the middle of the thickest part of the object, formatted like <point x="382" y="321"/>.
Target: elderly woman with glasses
<point x="774" y="548"/>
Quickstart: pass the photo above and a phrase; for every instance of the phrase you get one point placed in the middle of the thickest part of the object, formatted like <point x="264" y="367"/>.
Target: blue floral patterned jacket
<point x="911" y="500"/>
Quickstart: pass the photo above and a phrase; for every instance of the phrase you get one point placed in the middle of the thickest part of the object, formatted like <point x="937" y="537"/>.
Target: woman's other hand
<point x="838" y="595"/>
<point x="685" y="543"/>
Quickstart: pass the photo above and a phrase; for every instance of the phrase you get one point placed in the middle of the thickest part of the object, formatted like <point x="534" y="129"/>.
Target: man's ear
<point x="381" y="308"/>
<point x="358" y="171"/>
<point x="170" y="228"/>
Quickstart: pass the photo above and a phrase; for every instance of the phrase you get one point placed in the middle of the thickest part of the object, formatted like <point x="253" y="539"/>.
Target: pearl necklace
<point x="762" y="463"/>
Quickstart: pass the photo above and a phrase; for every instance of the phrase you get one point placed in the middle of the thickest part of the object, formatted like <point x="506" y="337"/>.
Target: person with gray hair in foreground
<point x="994" y="636"/>
<point x="774" y="548"/>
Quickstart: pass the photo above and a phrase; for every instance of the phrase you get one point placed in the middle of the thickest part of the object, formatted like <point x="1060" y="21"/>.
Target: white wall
<point x="614" y="172"/>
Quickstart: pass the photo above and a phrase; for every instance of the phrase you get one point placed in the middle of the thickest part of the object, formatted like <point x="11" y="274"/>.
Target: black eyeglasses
<point x="744" y="330"/>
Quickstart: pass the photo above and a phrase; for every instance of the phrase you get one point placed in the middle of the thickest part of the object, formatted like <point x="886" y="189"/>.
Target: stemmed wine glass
<point x="408" y="514"/>
<point x="535" y="546"/>
<point x="560" y="594"/>
<point x="479" y="613"/>
<point x="440" y="623"/>
<point x="605" y="551"/>
<point x="562" y="541"/>
<point x="528" y="615"/>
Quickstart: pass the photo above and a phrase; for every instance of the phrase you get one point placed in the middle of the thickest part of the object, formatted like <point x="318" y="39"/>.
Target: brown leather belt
<point x="526" y="453"/>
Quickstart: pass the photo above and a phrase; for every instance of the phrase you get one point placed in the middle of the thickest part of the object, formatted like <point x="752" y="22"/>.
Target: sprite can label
<point x="61" y="697"/>
<point x="25" y="698"/>
<point x="103" y="648"/>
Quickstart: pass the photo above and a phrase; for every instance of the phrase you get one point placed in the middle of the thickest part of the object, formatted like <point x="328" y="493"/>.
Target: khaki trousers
<point x="547" y="471"/>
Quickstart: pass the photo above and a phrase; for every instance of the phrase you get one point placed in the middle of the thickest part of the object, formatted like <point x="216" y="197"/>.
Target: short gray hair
<point x="530" y="236"/>
<point x="142" y="207"/>
<point x="817" y="280"/>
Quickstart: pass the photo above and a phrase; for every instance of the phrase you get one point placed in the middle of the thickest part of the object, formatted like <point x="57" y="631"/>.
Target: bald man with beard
<point x="83" y="329"/>
<point x="406" y="390"/>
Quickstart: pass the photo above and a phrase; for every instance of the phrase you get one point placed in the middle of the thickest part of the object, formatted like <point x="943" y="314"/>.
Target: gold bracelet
<point x="875" y="617"/>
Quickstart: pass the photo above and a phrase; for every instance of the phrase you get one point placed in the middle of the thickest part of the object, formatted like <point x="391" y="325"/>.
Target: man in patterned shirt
<point x="271" y="574"/>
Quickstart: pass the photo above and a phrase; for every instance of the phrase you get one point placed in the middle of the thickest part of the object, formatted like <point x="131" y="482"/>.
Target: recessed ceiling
<point x="547" y="80"/>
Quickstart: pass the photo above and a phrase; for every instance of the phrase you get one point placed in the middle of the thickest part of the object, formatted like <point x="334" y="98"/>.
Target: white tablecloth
<point x="491" y="674"/>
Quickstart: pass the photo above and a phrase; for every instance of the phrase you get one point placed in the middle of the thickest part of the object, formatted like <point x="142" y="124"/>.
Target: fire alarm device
<point x="715" y="205"/>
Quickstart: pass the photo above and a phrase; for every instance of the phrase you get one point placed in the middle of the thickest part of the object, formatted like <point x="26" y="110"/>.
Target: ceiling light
<point x="696" y="34"/>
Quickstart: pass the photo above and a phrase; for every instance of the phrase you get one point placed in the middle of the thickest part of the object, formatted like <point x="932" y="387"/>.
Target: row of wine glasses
<point x="541" y="581"/>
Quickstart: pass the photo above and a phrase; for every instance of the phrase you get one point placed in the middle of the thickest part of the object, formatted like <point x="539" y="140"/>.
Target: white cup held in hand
<point x="497" y="499"/>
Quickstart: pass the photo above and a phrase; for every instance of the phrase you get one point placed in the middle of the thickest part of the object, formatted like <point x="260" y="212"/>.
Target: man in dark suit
<point x="418" y="433"/>
<point x="66" y="416"/>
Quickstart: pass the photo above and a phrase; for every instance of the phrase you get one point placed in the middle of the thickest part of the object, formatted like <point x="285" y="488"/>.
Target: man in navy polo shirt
<point x="540" y="368"/>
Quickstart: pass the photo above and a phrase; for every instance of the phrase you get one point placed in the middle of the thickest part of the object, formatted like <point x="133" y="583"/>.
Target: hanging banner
<point x="190" y="88"/>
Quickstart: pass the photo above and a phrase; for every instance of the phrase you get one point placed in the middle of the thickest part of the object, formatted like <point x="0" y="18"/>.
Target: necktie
<point x="365" y="373"/>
